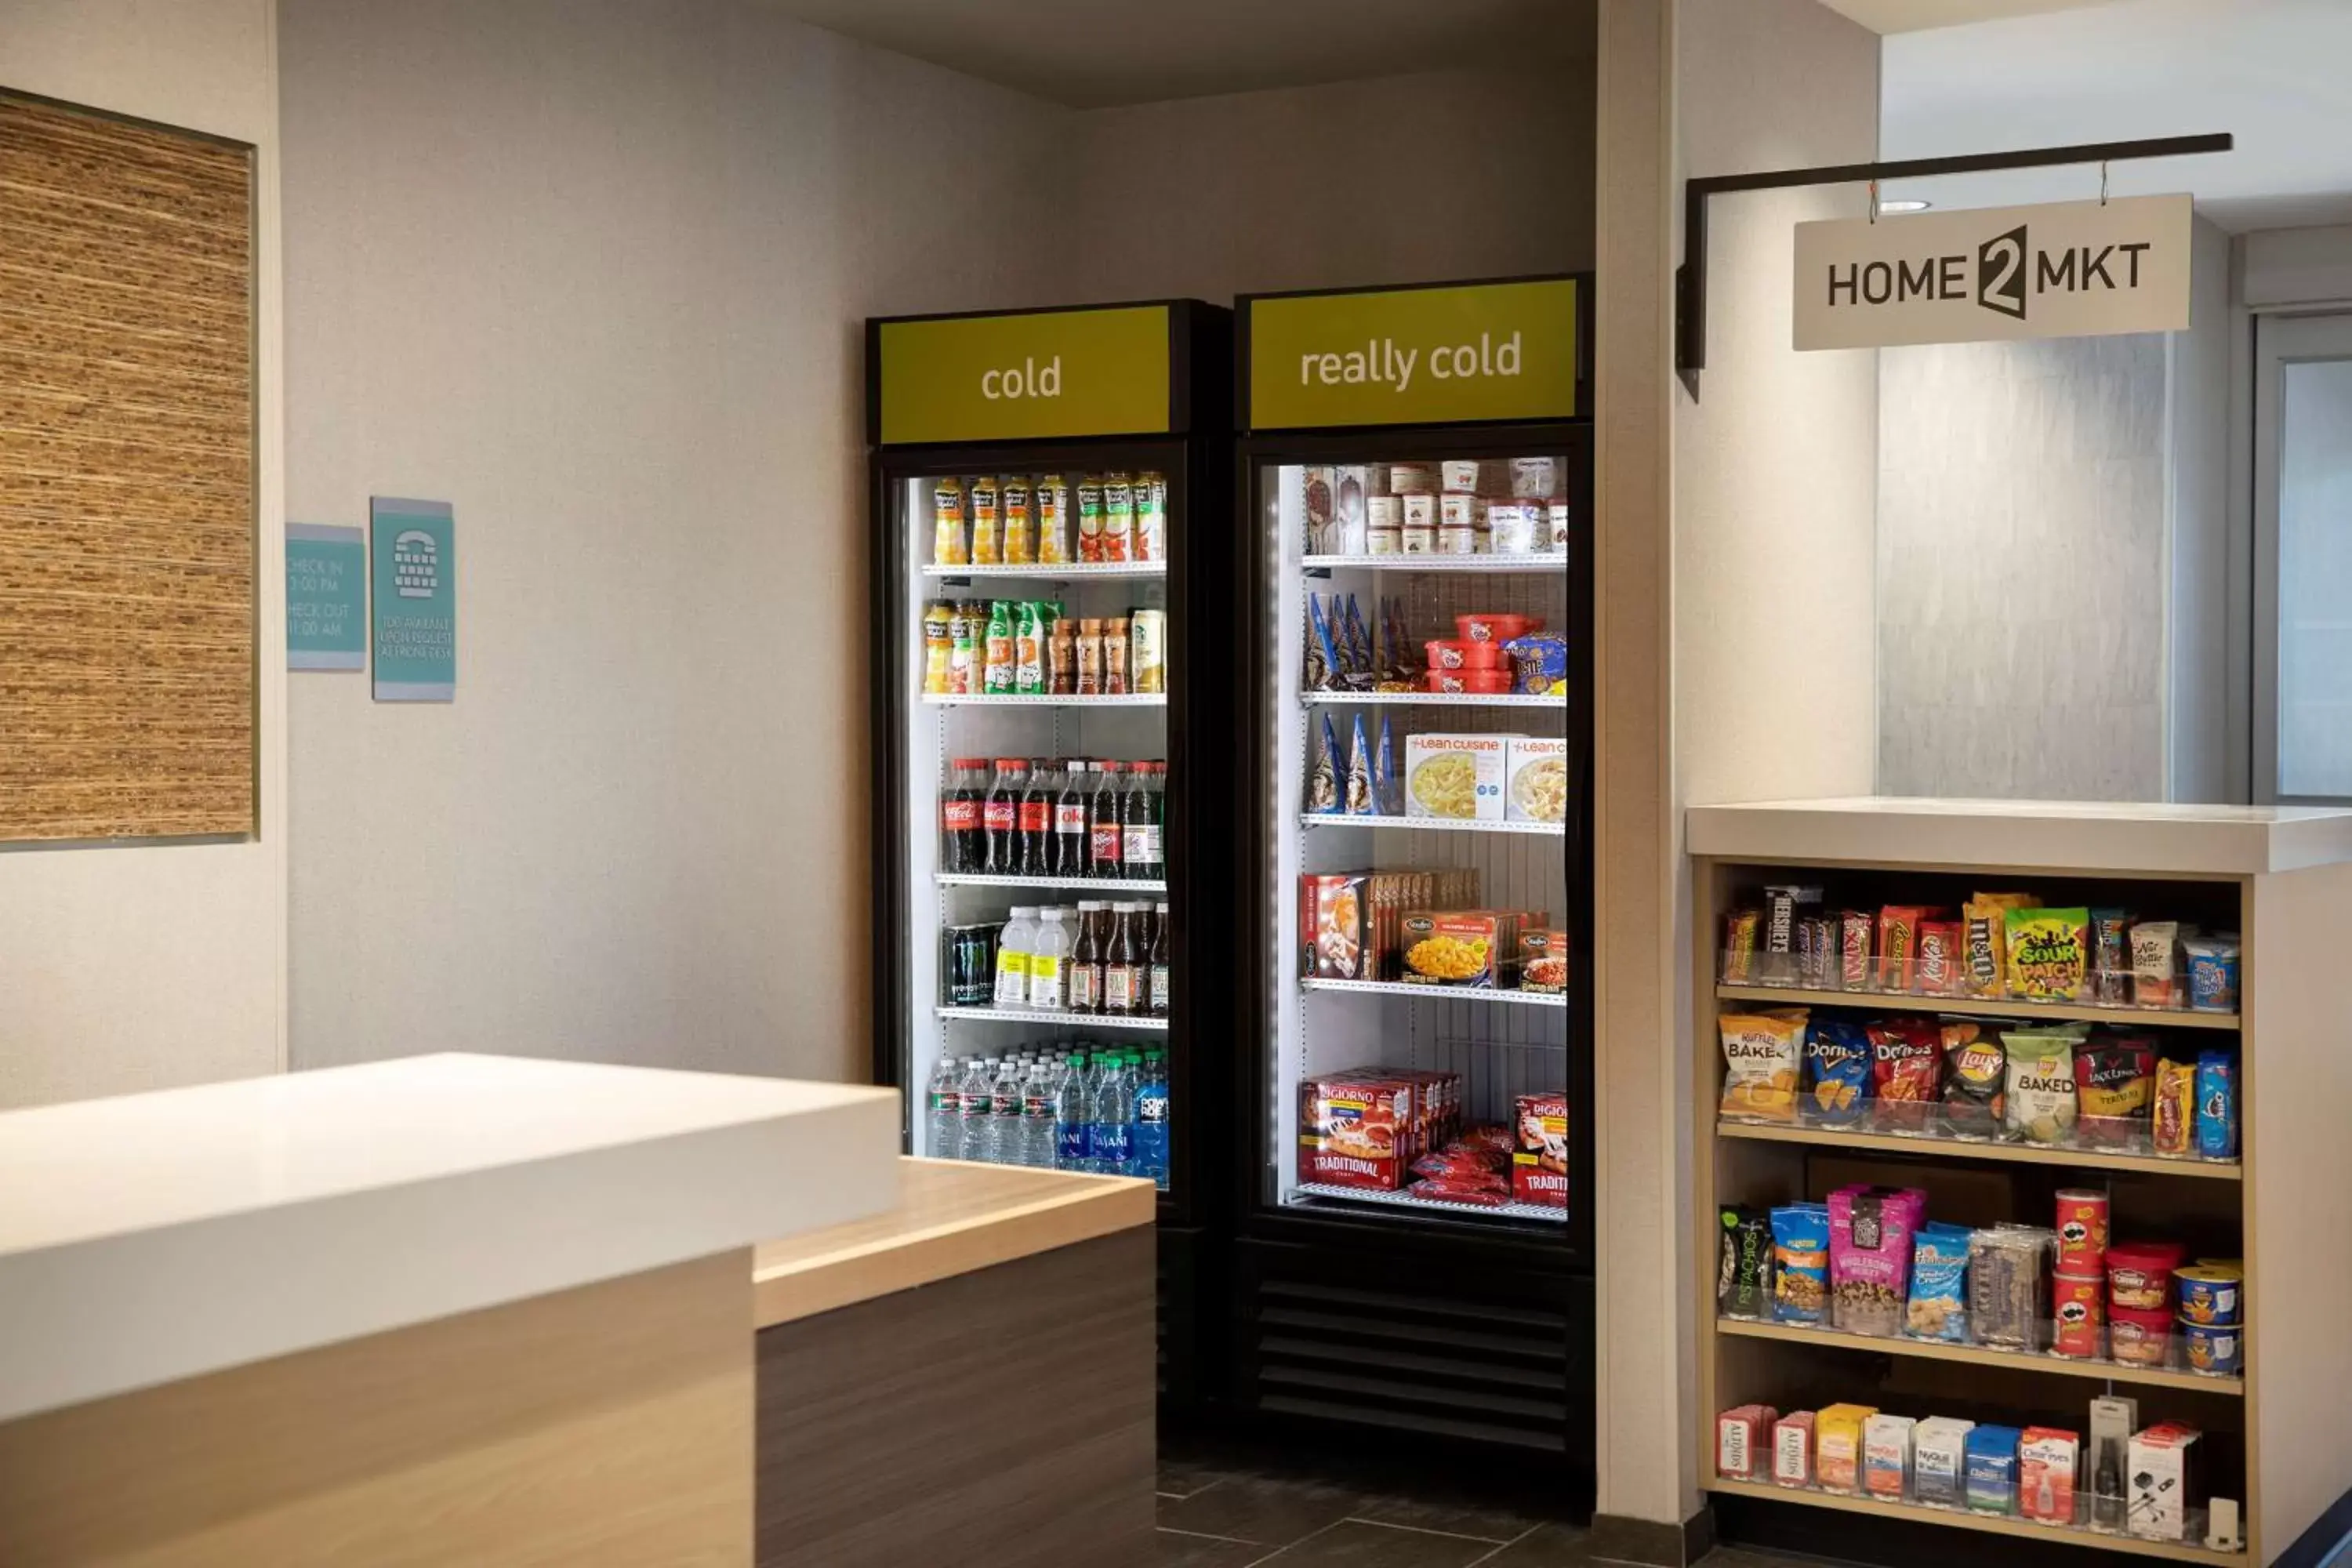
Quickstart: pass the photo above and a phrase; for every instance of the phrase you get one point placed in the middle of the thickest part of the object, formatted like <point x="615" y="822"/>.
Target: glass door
<point x="2302" y="559"/>
<point x="1420" y="787"/>
<point x="1034" y="632"/>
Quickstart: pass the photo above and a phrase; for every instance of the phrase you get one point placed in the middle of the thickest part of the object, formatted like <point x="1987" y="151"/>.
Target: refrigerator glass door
<point x="1422" y="790"/>
<point x="1032" y="621"/>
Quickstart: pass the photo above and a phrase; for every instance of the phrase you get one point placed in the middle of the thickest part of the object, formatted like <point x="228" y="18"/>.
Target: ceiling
<point x="2271" y="72"/>
<point x="1094" y="54"/>
<point x="1911" y="16"/>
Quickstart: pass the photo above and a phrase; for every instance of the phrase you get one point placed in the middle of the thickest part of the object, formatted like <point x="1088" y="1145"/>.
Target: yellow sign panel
<point x="1021" y="377"/>
<point x="1413" y="356"/>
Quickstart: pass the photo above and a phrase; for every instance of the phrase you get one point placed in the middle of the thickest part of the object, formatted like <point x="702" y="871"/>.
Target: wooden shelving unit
<point x="2283" y="878"/>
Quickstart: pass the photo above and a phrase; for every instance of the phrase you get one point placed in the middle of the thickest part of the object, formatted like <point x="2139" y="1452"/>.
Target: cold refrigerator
<point x="1413" y="1262"/>
<point x="1069" y="519"/>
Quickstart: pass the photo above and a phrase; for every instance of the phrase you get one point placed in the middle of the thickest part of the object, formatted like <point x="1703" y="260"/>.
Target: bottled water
<point x="1150" y="1135"/>
<point x="1111" y="1138"/>
<point x="943" y="1112"/>
<point x="1072" y="1110"/>
<point x="973" y="1102"/>
<point x="1037" y="1111"/>
<point x="1012" y="957"/>
<point x="1003" y="1138"/>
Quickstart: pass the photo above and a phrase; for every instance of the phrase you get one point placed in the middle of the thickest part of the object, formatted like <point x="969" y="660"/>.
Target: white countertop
<point x="156" y="1236"/>
<point x="2028" y="835"/>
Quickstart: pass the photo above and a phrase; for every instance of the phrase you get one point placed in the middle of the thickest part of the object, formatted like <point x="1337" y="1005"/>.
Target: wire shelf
<point x="1438" y="992"/>
<point x="1556" y="561"/>
<point x="1044" y="699"/>
<point x="1440" y="698"/>
<point x="1039" y="1016"/>
<point x="1434" y="824"/>
<point x="1082" y="884"/>
<point x="1541" y="1212"/>
<point x="1065" y="572"/>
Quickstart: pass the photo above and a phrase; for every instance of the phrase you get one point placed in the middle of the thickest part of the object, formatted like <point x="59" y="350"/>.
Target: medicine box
<point x="1886" y="1457"/>
<point x="1939" y="1461"/>
<point x="1837" y="1445"/>
<point x="1992" y="1470"/>
<point x="2046" y="1462"/>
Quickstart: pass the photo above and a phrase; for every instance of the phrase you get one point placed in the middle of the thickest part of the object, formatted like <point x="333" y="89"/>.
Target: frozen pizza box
<point x="1458" y="778"/>
<point x="1358" y="1128"/>
<point x="1535" y="773"/>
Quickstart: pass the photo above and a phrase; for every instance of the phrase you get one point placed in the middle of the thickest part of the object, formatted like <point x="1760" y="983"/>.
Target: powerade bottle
<point x="1072" y="1108"/>
<point x="1150" y="1135"/>
<point x="1113" y="1136"/>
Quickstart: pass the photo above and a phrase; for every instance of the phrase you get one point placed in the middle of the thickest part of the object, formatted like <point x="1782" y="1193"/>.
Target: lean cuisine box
<point x="1457" y="778"/>
<point x="1537" y="772"/>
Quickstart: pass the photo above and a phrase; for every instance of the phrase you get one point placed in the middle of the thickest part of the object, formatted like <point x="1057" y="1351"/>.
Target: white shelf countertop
<point x="152" y="1237"/>
<point x="2028" y="835"/>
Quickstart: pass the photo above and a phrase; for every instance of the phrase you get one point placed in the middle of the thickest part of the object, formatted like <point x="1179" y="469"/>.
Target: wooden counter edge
<point x="803" y="1277"/>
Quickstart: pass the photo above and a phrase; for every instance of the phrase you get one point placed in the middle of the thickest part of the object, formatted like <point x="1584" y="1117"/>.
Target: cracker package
<point x="1763" y="1055"/>
<point x="2048" y="955"/>
<point x="2041" y="1108"/>
<point x="1906" y="1071"/>
<point x="1837" y="1072"/>
<point x="1976" y="1077"/>
<point x="1984" y="941"/>
<point x="1939" y="1307"/>
<point x="2155" y="964"/>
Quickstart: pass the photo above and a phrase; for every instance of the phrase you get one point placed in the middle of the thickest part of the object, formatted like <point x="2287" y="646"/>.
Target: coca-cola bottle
<point x="1106" y="832"/>
<point x="1037" y="818"/>
<point x="1072" y="810"/>
<point x="963" y="840"/>
<point x="1000" y="814"/>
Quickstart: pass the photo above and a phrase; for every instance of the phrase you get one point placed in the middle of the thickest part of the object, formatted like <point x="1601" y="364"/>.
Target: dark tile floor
<point x="1217" y="1512"/>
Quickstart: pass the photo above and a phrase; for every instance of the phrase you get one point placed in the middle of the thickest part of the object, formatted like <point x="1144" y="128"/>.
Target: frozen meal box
<point x="1539" y="1150"/>
<point x="1457" y="777"/>
<point x="1476" y="950"/>
<point x="1537" y="774"/>
<point x="1356" y="1128"/>
<point x="1543" y="960"/>
<point x="1335" y="924"/>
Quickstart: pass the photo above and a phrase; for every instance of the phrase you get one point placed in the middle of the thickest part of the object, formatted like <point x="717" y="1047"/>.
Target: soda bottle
<point x="1139" y="830"/>
<point x="1081" y="981"/>
<point x="997" y="666"/>
<point x="943" y="1112"/>
<point x="1047" y="956"/>
<point x="1111" y="1143"/>
<point x="1071" y="854"/>
<point x="973" y="1102"/>
<point x="1013" y="958"/>
<point x="963" y="840"/>
<point x="1151" y="1115"/>
<point x="939" y="646"/>
<point x="1123" y="967"/>
<point x="967" y="634"/>
<point x="1028" y="649"/>
<point x="950" y="540"/>
<point x="1072" y="1110"/>
<point x="1104" y="830"/>
<point x="987" y="540"/>
<point x="1020" y="540"/>
<point x="1003" y="1146"/>
<point x="1037" y="1116"/>
<point x="1035" y="819"/>
<point x="1158" y="969"/>
<point x="1000" y="815"/>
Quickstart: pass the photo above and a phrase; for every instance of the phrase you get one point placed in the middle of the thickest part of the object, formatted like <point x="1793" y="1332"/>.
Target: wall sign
<point x="326" y="598"/>
<point x="2066" y="270"/>
<point x="1413" y="356"/>
<point x="1020" y="377"/>
<point x="413" y="583"/>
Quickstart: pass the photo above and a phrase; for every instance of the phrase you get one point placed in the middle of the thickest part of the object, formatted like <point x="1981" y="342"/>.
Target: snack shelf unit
<point x="1460" y="1332"/>
<point x="1174" y="419"/>
<point x="2282" y="876"/>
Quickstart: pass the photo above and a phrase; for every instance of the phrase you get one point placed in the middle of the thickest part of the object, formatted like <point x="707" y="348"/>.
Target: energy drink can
<point x="971" y="965"/>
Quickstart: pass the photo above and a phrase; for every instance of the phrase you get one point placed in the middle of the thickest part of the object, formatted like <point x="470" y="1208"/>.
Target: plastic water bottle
<point x="1012" y="957"/>
<point x="1150" y="1135"/>
<point x="1112" y="1138"/>
<point x="943" y="1112"/>
<point x="1049" y="956"/>
<point x="972" y="1104"/>
<point x="1037" y="1138"/>
<point x="1072" y="1108"/>
<point x="1004" y="1136"/>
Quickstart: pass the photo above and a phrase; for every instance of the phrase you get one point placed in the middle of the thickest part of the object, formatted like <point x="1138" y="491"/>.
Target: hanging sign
<point x="2066" y="270"/>
<point x="413" y="583"/>
<point x="326" y="598"/>
<point x="1041" y="373"/>
<point x="1413" y="356"/>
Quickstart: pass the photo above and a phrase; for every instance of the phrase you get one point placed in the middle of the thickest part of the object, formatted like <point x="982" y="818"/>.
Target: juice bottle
<point x="1028" y="649"/>
<point x="1151" y="517"/>
<point x="997" y="670"/>
<point x="1019" y="538"/>
<point x="1054" y="545"/>
<point x="987" y="527"/>
<point x="1118" y="518"/>
<point x="939" y="646"/>
<point x="967" y="637"/>
<point x="950" y="542"/>
<point x="1090" y="518"/>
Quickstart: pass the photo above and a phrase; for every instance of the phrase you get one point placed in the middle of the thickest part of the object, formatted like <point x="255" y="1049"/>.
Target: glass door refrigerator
<point x="1413" y="1260"/>
<point x="1051" y="495"/>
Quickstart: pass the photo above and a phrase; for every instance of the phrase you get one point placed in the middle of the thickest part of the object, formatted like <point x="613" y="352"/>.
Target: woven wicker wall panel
<point x="127" y="499"/>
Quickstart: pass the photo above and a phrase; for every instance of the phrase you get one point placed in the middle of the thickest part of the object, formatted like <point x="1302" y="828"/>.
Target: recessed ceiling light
<point x="1910" y="205"/>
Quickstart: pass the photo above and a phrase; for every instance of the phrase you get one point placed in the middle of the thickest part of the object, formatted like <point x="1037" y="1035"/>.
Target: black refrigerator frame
<point x="1307" y="1279"/>
<point x="1196" y="453"/>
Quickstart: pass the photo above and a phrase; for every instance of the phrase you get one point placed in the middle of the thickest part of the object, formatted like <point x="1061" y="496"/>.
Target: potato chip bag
<point x="1975" y="1079"/>
<point x="2041" y="1107"/>
<point x="1763" y="1057"/>
<point x="2048" y="955"/>
<point x="1837" y="1072"/>
<point x="1906" y="1071"/>
<point x="2114" y="1089"/>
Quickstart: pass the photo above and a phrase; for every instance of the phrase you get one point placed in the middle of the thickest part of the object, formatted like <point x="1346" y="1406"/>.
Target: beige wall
<point x="594" y="272"/>
<point x="141" y="968"/>
<point x="1410" y="179"/>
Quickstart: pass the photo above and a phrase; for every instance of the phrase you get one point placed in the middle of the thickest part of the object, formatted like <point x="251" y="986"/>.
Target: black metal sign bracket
<point x="1690" y="277"/>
